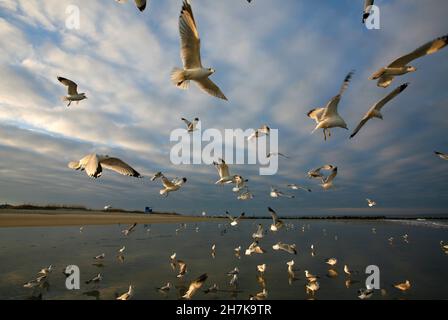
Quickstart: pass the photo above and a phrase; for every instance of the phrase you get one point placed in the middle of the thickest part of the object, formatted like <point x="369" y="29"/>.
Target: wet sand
<point x="52" y="218"/>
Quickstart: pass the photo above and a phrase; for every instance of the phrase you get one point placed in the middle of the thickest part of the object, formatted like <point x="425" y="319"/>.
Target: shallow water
<point x="24" y="251"/>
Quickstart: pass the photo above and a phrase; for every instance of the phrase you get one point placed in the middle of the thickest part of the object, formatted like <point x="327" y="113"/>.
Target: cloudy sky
<point x="274" y="60"/>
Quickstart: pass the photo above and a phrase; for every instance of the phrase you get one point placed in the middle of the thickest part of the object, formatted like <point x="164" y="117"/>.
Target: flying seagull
<point x="259" y="233"/>
<point x="165" y="288"/>
<point x="263" y="130"/>
<point x="331" y="261"/>
<point x="277" y="194"/>
<point x="254" y="248"/>
<point x="276" y="222"/>
<point x="365" y="293"/>
<point x="405" y="286"/>
<point x="191" y="126"/>
<point x="367" y="9"/>
<point x="294" y="186"/>
<point x="94" y="164"/>
<point x="95" y="279"/>
<point x="141" y="4"/>
<point x="375" y="110"/>
<point x="73" y="94"/>
<point x="327" y="182"/>
<point x="441" y="155"/>
<point x="223" y="171"/>
<point x="182" y="268"/>
<point x="329" y="117"/>
<point x="191" y="57"/>
<point x="234" y="221"/>
<point x="400" y="66"/>
<point x="127" y="295"/>
<point x="168" y="186"/>
<point x="290" y="248"/>
<point x="129" y="229"/>
<point x="316" y="173"/>
<point x="371" y="203"/>
<point x="240" y="183"/>
<point x="46" y="271"/>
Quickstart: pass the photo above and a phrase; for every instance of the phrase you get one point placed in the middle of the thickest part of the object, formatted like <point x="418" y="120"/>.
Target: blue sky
<point x="274" y="61"/>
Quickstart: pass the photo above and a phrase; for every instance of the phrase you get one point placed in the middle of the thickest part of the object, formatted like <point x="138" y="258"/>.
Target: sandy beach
<point x="51" y="218"/>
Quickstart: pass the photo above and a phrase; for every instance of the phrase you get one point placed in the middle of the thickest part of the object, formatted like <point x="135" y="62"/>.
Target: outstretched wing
<point x="428" y="48"/>
<point x="211" y="88"/>
<point x="119" y="166"/>
<point x="189" y="38"/>
<point x="72" y="86"/>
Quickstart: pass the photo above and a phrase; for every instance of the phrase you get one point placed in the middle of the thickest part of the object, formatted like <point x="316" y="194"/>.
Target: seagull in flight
<point x="441" y="155"/>
<point x="95" y="279"/>
<point x="375" y="110"/>
<point x="182" y="268"/>
<point x="262" y="131"/>
<point x="191" y="57"/>
<point x="259" y="234"/>
<point x="405" y="286"/>
<point x="331" y="261"/>
<point x="294" y="186"/>
<point x="275" y="193"/>
<point x="371" y="203"/>
<point x="327" y="183"/>
<point x="329" y="117"/>
<point x="169" y="186"/>
<point x="127" y="295"/>
<point x="94" y="164"/>
<point x="234" y="221"/>
<point x="129" y="229"/>
<point x="223" y="171"/>
<point x="276" y="222"/>
<point x="254" y="248"/>
<point x="290" y="248"/>
<point x="400" y="66"/>
<point x="316" y="173"/>
<point x="191" y="126"/>
<point x="72" y="94"/>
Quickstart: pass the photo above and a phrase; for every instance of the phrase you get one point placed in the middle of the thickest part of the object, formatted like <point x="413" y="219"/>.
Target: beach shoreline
<point x="55" y="218"/>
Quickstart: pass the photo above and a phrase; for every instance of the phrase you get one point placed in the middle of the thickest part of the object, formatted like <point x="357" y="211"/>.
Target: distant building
<point x="148" y="210"/>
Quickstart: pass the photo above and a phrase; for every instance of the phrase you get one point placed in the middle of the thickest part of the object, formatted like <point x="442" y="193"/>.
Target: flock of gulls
<point x="326" y="118"/>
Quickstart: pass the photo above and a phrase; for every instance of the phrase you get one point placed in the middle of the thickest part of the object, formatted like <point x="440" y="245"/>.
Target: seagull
<point x="213" y="289"/>
<point x="327" y="183"/>
<point x="93" y="164"/>
<point x="291" y="272"/>
<point x="312" y="250"/>
<point x="294" y="186"/>
<point x="95" y="279"/>
<point x="223" y="171"/>
<point x="168" y="186"/>
<point x="73" y="94"/>
<point x="234" y="280"/>
<point x="328" y="117"/>
<point x="191" y="126"/>
<point x="310" y="277"/>
<point x="403" y="286"/>
<point x="276" y="222"/>
<point x="441" y="155"/>
<point x="443" y="245"/>
<point x="347" y="270"/>
<point x="254" y="248"/>
<point x="290" y="248"/>
<point x="400" y="66"/>
<point x="129" y="229"/>
<point x="331" y="261"/>
<point x="259" y="296"/>
<point x="213" y="250"/>
<point x="35" y="283"/>
<point x="365" y="293"/>
<point x="367" y="9"/>
<point x="371" y="203"/>
<point x="234" y="221"/>
<point x="127" y="295"/>
<point x="277" y="194"/>
<point x="237" y="251"/>
<point x="375" y="110"/>
<point x="233" y="272"/>
<point x="100" y="256"/>
<point x="257" y="235"/>
<point x="278" y="154"/>
<point x="315" y="173"/>
<point x="261" y="268"/>
<point x="191" y="57"/>
<point x="182" y="268"/>
<point x="141" y="4"/>
<point x="46" y="271"/>
<point x="165" y="288"/>
<point x="262" y="131"/>
<point x="121" y="251"/>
